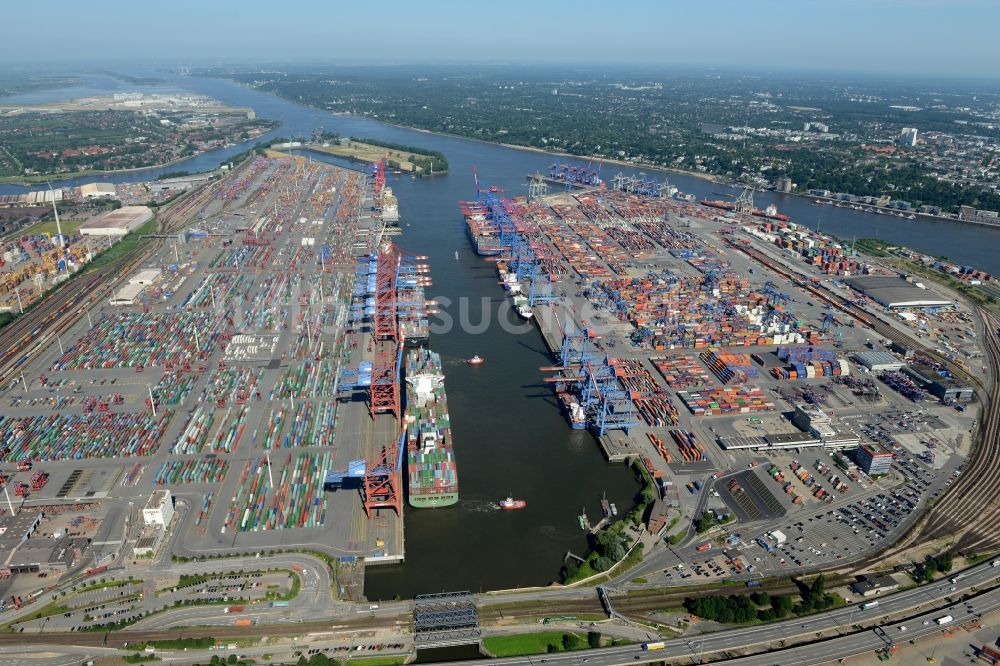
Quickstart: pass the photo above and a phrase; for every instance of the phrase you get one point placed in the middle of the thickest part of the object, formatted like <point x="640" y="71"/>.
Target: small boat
<point x="614" y="509"/>
<point x="456" y="255"/>
<point x="475" y="360"/>
<point x="511" y="504"/>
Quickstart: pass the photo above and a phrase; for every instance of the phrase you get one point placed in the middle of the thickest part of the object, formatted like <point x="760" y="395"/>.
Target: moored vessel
<point x="431" y="469"/>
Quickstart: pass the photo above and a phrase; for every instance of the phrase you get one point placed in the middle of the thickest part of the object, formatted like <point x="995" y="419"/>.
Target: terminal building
<point x="873" y="459"/>
<point x="117" y="222"/>
<point x="817" y="430"/>
<point x="813" y="420"/>
<point x="156" y="516"/>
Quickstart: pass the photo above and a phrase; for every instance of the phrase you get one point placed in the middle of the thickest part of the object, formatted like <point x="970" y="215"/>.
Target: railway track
<point x="970" y="508"/>
<point x="33" y="332"/>
<point x="118" y="639"/>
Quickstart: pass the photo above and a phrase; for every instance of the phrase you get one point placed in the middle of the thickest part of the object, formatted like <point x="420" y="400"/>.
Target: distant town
<point x="892" y="145"/>
<point x="121" y="131"/>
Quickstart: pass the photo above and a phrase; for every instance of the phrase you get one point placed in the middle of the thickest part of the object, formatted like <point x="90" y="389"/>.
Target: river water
<point x="510" y="436"/>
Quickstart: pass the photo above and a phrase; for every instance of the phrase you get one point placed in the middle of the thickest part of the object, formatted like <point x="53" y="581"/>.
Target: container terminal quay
<point x="231" y="424"/>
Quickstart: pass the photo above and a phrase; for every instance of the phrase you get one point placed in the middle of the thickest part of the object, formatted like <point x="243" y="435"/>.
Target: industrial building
<point x="657" y="517"/>
<point x="43" y="555"/>
<point x="813" y="420"/>
<point x="943" y="388"/>
<point x="873" y="459"/>
<point x="19" y="527"/>
<point x="127" y="295"/>
<point x="878" y="361"/>
<point x="896" y="292"/>
<point x="98" y="190"/>
<point x="117" y="222"/>
<point x="179" y="183"/>
<point x="159" y="510"/>
<point x="871" y="585"/>
<point x="795" y="440"/>
<point x="777" y="537"/>
<point x="145" y="276"/>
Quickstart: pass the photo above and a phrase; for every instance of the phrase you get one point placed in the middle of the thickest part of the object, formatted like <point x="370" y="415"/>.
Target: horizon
<point x="882" y="38"/>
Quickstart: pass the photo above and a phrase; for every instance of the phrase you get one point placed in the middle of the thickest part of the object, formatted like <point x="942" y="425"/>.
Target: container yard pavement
<point x="241" y="339"/>
<point x="715" y="350"/>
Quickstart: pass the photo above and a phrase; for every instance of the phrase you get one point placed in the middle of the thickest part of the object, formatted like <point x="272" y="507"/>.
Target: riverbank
<point x="28" y="181"/>
<point x="708" y="177"/>
<point x="640" y="164"/>
<point x="712" y="178"/>
<point x="885" y="210"/>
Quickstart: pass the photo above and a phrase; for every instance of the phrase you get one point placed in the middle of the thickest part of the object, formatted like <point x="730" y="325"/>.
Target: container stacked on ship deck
<point x="431" y="468"/>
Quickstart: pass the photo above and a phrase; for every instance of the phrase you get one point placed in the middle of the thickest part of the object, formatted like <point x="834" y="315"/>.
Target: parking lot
<point x="105" y="601"/>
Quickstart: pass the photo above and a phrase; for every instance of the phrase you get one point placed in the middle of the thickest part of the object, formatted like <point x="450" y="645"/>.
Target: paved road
<point x="929" y="602"/>
<point x="929" y="599"/>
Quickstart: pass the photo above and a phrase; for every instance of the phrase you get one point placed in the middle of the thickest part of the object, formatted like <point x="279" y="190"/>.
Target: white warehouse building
<point x="117" y="222"/>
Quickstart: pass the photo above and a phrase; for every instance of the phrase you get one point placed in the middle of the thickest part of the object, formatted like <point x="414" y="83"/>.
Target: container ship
<point x="771" y="212"/>
<point x="414" y="327"/>
<point x="508" y="279"/>
<point x="574" y="411"/>
<point x="484" y="233"/>
<point x="431" y="469"/>
<point x="521" y="306"/>
<point x="579" y="176"/>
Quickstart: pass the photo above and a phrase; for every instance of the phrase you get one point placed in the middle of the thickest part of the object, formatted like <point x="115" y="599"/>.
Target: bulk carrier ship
<point x="431" y="468"/>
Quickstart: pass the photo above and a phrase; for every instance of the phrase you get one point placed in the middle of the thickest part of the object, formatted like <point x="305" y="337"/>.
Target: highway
<point x="929" y="600"/>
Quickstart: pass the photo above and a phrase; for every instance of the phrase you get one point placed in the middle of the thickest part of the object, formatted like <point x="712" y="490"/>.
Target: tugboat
<point x="511" y="504"/>
<point x="476" y="360"/>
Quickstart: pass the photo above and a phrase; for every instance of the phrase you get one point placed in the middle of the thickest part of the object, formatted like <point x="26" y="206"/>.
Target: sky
<point x="955" y="38"/>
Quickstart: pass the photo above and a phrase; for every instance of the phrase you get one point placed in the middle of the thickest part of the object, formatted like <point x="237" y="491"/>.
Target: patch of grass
<point x="51" y="608"/>
<point x="104" y="585"/>
<point x="188" y="580"/>
<point x="293" y="590"/>
<point x="129" y="243"/>
<point x="380" y="661"/>
<point x="639" y="581"/>
<point x="44" y="178"/>
<point x="517" y="645"/>
<point x="873" y="247"/>
<point x="139" y="658"/>
<point x="48" y="227"/>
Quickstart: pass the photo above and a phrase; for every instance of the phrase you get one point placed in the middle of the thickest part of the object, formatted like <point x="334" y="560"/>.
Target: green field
<point x="522" y="644"/>
<point x="48" y="227"/>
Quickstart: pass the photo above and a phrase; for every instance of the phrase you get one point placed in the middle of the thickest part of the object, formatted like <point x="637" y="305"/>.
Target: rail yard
<point x="250" y="381"/>
<point x="224" y="390"/>
<point x="807" y="401"/>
